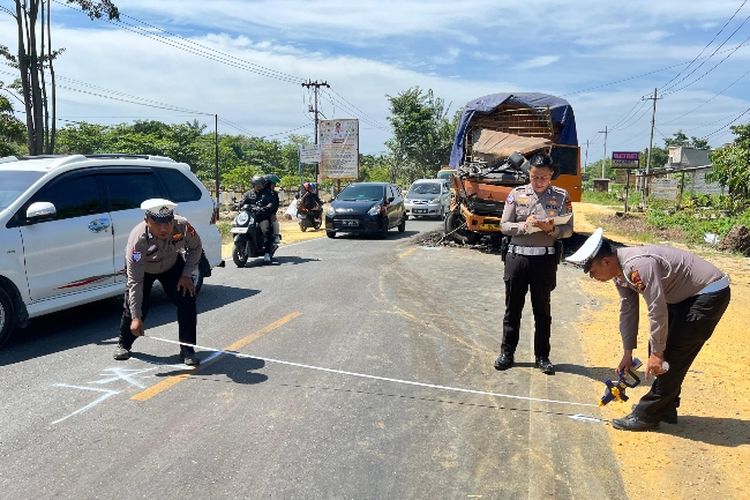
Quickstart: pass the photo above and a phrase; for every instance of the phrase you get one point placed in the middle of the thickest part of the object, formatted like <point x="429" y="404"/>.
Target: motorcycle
<point x="310" y="218"/>
<point x="247" y="236"/>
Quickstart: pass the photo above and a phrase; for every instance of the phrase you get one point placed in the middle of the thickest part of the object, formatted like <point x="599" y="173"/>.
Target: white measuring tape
<point x="385" y="379"/>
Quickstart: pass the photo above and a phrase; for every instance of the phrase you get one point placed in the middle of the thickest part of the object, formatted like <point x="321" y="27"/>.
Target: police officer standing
<point x="154" y="252"/>
<point x="685" y="298"/>
<point x="532" y="257"/>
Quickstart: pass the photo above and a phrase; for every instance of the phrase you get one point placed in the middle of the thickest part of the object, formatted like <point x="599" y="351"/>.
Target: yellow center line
<point x="168" y="382"/>
<point x="407" y="253"/>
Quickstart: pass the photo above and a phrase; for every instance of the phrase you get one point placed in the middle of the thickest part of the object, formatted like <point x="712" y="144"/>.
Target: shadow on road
<point x="238" y="369"/>
<point x="98" y="323"/>
<point x="392" y="235"/>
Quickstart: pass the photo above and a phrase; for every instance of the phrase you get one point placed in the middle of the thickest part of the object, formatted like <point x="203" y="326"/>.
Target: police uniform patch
<point x="636" y="280"/>
<point x="510" y="199"/>
<point x="177" y="236"/>
<point x="523" y="199"/>
<point x="136" y="255"/>
<point x="190" y="229"/>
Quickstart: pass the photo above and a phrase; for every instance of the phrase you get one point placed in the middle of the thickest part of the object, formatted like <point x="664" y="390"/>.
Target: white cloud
<point x="538" y="62"/>
<point x="367" y="50"/>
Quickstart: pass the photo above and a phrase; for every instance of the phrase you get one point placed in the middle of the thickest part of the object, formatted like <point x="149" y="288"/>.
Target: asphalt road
<point x="77" y="424"/>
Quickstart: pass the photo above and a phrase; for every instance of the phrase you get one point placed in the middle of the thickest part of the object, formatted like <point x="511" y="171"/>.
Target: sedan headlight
<point x="241" y="218"/>
<point x="435" y="200"/>
<point x="330" y="211"/>
<point x="374" y="210"/>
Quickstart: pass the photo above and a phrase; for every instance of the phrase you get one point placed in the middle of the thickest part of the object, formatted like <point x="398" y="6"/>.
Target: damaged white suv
<point x="64" y="223"/>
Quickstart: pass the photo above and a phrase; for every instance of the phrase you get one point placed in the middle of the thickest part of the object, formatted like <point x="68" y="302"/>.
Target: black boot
<point x="544" y="364"/>
<point x="504" y="361"/>
<point x="187" y="356"/>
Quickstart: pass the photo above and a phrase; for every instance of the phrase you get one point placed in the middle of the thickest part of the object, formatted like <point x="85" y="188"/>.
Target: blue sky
<point x="603" y="57"/>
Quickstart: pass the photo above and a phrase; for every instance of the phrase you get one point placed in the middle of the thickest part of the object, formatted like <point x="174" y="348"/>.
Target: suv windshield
<point x="356" y="192"/>
<point x="13" y="183"/>
<point x="425" y="188"/>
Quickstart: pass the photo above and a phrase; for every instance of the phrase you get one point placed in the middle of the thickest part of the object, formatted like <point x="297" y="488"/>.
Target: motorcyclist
<point x="264" y="203"/>
<point x="271" y="181"/>
<point x="310" y="199"/>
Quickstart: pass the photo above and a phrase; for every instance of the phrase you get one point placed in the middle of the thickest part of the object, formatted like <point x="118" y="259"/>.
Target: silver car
<point x="427" y="198"/>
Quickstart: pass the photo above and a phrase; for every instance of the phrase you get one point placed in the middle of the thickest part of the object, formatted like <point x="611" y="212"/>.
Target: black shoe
<point x="670" y="417"/>
<point x="633" y="423"/>
<point x="504" y="361"/>
<point x="544" y="364"/>
<point x="121" y="354"/>
<point x="187" y="356"/>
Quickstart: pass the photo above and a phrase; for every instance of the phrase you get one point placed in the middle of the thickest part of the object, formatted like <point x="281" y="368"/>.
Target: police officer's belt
<point x="716" y="286"/>
<point x="521" y="250"/>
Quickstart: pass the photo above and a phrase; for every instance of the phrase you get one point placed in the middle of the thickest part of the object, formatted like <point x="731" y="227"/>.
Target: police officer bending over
<point x="532" y="257"/>
<point x="153" y="252"/>
<point x="685" y="298"/>
<point x="265" y="202"/>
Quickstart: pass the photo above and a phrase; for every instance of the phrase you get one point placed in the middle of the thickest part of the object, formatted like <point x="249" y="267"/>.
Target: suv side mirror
<point x="40" y="210"/>
<point x="390" y="200"/>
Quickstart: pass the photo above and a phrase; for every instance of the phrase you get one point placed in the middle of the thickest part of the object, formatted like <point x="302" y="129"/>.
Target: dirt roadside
<point x="707" y="455"/>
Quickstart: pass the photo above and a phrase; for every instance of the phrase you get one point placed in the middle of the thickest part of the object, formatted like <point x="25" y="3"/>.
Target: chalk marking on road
<point x="111" y="374"/>
<point x="585" y="418"/>
<point x="108" y="393"/>
<point x="168" y="382"/>
<point x="373" y="377"/>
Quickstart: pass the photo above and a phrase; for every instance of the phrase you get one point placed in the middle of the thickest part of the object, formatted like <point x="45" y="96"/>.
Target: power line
<point x="708" y="100"/>
<point x="707" y="45"/>
<point x="195" y="48"/>
<point x="707" y="72"/>
<point x="726" y="125"/>
<point x="669" y="88"/>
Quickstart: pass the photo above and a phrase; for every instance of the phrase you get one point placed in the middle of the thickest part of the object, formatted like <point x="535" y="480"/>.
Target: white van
<point x="65" y="221"/>
<point x="428" y="198"/>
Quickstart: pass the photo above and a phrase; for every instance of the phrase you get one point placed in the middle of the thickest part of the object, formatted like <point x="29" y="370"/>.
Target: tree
<point x="731" y="165"/>
<point x="34" y="60"/>
<point x="680" y="139"/>
<point x="12" y="131"/>
<point x="422" y="134"/>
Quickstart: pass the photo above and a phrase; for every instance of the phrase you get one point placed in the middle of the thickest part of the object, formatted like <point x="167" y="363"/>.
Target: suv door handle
<point x="99" y="225"/>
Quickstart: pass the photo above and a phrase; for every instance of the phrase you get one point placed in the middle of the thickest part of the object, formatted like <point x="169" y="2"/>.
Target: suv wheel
<point x="7" y="317"/>
<point x="402" y="226"/>
<point x="198" y="275"/>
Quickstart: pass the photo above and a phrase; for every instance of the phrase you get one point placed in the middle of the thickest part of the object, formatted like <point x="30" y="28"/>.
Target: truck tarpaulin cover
<point x="561" y="111"/>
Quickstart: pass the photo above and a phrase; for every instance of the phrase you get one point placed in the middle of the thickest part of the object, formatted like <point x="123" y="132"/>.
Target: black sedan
<point x="366" y="207"/>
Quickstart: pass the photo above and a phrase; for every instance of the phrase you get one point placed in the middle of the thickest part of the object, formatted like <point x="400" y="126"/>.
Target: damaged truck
<point x="494" y="138"/>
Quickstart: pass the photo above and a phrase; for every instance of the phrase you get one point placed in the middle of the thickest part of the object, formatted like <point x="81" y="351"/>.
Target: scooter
<point x="248" y="238"/>
<point x="309" y="218"/>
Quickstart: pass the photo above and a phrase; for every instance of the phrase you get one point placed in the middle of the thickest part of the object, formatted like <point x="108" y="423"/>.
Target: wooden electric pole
<point x="315" y="85"/>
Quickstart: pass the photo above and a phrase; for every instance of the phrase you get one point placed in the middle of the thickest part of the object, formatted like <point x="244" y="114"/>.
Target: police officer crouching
<point x="154" y="252"/>
<point x="532" y="257"/>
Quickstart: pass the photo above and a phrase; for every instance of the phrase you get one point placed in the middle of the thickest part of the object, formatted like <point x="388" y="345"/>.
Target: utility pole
<point x="604" y="161"/>
<point x="315" y="85"/>
<point x="586" y="157"/>
<point x="216" y="161"/>
<point x="650" y="144"/>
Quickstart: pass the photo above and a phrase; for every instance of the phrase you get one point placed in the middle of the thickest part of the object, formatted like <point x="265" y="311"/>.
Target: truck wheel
<point x="455" y="227"/>
<point x="331" y="234"/>
<point x="7" y="317"/>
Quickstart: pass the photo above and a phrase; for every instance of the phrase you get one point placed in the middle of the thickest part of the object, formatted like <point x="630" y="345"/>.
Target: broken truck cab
<point x="491" y="130"/>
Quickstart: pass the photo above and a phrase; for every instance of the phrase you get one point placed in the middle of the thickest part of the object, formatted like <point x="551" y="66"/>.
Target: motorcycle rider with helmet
<point x="265" y="203"/>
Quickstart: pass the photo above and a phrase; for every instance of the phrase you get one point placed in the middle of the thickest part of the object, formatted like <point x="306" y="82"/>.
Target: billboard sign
<point x="625" y="159"/>
<point x="339" y="149"/>
<point x="309" y="153"/>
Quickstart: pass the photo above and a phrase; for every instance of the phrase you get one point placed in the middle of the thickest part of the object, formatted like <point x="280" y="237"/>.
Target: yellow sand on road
<point x="708" y="454"/>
